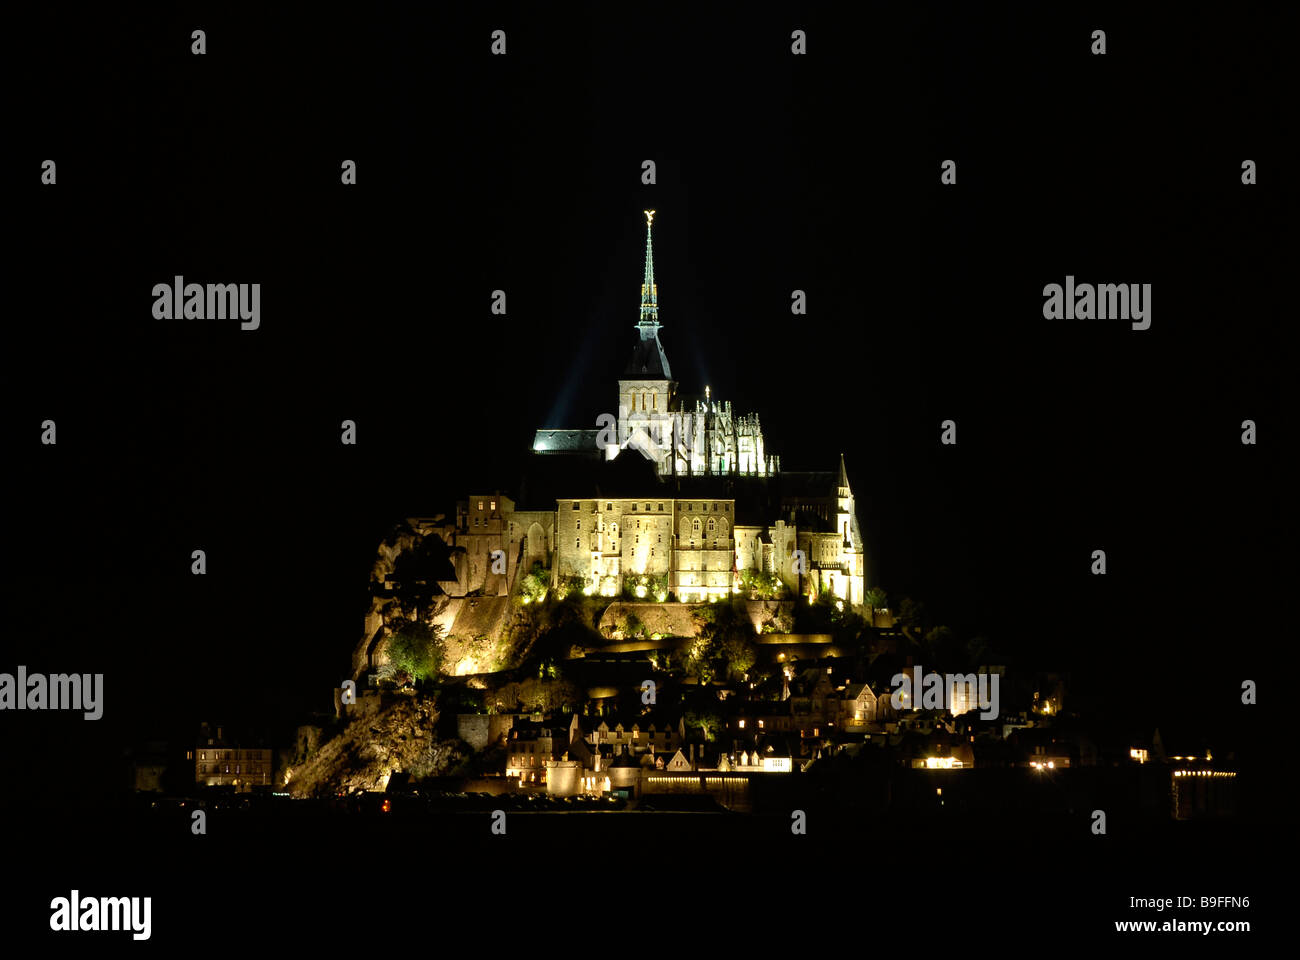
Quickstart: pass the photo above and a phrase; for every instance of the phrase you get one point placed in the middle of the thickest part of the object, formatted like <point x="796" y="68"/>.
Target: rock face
<point x="665" y="619"/>
<point x="472" y="625"/>
<point x="384" y="735"/>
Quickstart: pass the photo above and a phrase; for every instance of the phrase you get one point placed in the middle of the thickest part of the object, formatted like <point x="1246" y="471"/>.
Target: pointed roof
<point x="649" y="362"/>
<point x="649" y="289"/>
<point x="844" y="474"/>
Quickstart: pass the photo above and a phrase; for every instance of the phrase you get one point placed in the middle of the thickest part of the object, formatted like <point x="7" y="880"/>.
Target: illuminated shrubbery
<point x="758" y="585"/>
<point x="646" y="586"/>
<point x="415" y="651"/>
<point x="565" y="586"/>
<point x="535" y="584"/>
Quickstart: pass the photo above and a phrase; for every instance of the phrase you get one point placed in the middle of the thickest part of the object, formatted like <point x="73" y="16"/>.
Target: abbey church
<point x="675" y="499"/>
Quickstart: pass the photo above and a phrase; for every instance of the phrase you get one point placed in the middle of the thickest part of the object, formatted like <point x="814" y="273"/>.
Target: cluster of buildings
<point x="673" y="488"/>
<point x="806" y="714"/>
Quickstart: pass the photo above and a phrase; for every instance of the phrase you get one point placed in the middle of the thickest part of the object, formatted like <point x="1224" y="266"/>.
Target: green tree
<point x="708" y="722"/>
<point x="699" y="659"/>
<point x="535" y="584"/>
<point x="416" y="650"/>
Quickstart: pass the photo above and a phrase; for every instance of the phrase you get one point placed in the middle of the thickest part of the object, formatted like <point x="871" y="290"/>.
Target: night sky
<point x="522" y="172"/>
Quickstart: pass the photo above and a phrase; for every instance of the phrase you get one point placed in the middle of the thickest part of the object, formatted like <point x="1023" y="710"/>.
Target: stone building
<point x="673" y="498"/>
<point x="532" y="748"/>
<point x="718" y="502"/>
<point x="222" y="761"/>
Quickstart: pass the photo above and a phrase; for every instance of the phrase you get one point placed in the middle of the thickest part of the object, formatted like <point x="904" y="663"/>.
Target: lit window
<point x="480" y="504"/>
<point x="494" y="504"/>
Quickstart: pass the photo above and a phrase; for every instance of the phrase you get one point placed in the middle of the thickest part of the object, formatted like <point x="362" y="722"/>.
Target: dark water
<point x="322" y="876"/>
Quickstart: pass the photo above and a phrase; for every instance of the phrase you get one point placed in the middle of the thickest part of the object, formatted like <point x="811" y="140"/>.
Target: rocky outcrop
<point x="384" y="735"/>
<point x="664" y="619"/>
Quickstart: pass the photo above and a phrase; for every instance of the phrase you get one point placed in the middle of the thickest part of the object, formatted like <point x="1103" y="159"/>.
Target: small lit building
<point x="529" y="748"/>
<point x="222" y="761"/>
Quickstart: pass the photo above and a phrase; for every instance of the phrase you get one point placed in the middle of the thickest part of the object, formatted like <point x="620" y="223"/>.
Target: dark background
<point x="522" y="172"/>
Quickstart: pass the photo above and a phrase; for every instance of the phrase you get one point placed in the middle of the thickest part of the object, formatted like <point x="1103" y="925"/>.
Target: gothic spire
<point x="648" y="359"/>
<point x="649" y="290"/>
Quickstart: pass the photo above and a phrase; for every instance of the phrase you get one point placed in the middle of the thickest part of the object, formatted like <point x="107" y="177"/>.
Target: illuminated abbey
<point x="716" y="504"/>
<point x="700" y="437"/>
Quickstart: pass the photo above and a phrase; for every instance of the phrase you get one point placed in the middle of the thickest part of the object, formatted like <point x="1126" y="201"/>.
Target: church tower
<point x="851" y="546"/>
<point x="647" y="391"/>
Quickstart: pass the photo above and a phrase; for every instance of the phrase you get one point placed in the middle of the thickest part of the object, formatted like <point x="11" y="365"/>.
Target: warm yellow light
<point x="649" y="217"/>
